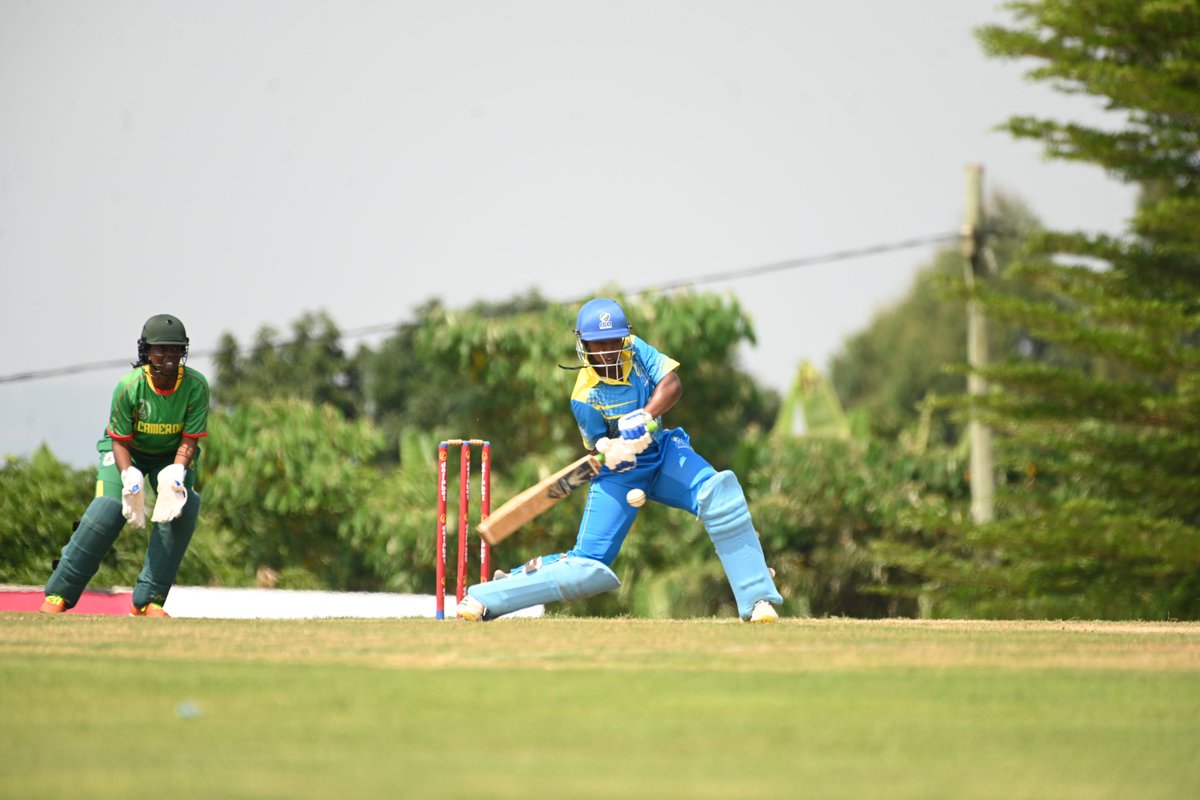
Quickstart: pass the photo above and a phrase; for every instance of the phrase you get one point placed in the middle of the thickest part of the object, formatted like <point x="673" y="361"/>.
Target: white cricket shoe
<point x="470" y="609"/>
<point x="763" y="611"/>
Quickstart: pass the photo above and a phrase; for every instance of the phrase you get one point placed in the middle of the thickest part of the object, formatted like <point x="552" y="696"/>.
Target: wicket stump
<point x="464" y="511"/>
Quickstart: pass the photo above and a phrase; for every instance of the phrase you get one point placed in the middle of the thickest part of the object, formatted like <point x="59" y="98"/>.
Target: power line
<point x="57" y="371"/>
<point x="795" y="263"/>
<point x="712" y="277"/>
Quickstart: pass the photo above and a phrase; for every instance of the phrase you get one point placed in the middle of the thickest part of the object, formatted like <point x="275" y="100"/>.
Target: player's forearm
<point x="121" y="456"/>
<point x="665" y="396"/>
<point x="185" y="452"/>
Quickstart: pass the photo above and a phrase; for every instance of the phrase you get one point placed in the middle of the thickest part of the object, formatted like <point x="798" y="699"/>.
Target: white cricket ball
<point x="635" y="498"/>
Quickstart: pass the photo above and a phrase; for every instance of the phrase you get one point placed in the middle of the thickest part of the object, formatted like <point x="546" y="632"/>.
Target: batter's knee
<point x="722" y="504"/>
<point x="565" y="578"/>
<point x="584" y="577"/>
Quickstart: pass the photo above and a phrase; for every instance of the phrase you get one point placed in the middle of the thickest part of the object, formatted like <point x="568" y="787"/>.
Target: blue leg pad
<point x="545" y="581"/>
<point x="726" y="517"/>
<point x="89" y="544"/>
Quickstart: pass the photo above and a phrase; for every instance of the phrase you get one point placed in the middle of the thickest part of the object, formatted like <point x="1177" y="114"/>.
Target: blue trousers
<point x="672" y="476"/>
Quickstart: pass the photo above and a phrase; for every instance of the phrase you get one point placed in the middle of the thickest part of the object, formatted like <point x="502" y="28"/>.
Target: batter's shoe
<point x="149" y="610"/>
<point x="763" y="611"/>
<point x="53" y="604"/>
<point x="470" y="609"/>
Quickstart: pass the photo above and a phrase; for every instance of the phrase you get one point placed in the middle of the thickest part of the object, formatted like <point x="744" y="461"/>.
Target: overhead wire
<point x="699" y="280"/>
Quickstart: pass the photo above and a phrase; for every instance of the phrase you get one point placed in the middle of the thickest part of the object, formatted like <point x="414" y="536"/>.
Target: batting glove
<point x="618" y="455"/>
<point x="633" y="429"/>
<point x="133" y="499"/>
<point x="171" y="493"/>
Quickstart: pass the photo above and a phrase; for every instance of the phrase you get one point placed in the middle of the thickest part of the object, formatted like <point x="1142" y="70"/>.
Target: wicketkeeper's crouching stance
<point x="624" y="387"/>
<point x="158" y="415"/>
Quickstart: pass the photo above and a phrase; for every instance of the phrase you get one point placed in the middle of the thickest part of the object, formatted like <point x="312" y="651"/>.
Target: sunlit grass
<point x="107" y="707"/>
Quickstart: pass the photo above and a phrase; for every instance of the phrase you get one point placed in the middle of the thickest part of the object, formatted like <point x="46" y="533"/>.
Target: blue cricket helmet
<point x="601" y="319"/>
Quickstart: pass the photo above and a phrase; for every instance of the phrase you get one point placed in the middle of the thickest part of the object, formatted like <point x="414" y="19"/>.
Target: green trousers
<point x="102" y="522"/>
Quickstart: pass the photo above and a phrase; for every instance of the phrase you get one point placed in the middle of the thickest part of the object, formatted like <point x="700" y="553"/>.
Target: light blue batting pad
<point x="564" y="578"/>
<point x="726" y="517"/>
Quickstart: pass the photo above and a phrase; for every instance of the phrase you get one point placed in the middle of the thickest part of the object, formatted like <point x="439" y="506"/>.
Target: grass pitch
<point x="583" y="708"/>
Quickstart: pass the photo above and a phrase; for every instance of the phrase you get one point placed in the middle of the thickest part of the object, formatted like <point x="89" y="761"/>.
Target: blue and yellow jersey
<point x="598" y="403"/>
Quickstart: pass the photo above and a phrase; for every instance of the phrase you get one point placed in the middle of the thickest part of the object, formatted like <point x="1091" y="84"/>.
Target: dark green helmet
<point x="164" y="329"/>
<point x="161" y="329"/>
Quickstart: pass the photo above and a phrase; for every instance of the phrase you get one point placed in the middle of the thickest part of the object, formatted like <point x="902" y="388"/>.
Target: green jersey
<point x="154" y="422"/>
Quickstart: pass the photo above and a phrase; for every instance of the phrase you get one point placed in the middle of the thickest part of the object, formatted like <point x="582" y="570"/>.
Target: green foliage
<point x="1141" y="59"/>
<point x="821" y="504"/>
<point x="1106" y="520"/>
<point x="284" y="475"/>
<point x="484" y="372"/>
<point x="812" y="401"/>
<point x="887" y="370"/>
<point x="310" y="365"/>
<point x="1078" y="559"/>
<point x="493" y="371"/>
<point x="40" y="500"/>
<point x="721" y="404"/>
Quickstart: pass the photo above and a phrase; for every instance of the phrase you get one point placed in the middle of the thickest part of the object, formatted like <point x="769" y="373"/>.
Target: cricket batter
<point x="623" y="385"/>
<point x="159" y="414"/>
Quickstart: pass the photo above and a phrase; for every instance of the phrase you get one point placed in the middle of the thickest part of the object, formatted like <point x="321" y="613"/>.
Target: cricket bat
<point x="538" y="499"/>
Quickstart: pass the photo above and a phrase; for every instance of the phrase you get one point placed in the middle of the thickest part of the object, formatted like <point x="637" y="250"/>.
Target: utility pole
<point x="982" y="472"/>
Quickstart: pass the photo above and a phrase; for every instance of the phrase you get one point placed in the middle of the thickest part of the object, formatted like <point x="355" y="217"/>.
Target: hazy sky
<point x="240" y="163"/>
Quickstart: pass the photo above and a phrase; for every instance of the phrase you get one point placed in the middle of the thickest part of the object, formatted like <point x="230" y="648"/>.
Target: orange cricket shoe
<point x="149" y="610"/>
<point x="54" y="605"/>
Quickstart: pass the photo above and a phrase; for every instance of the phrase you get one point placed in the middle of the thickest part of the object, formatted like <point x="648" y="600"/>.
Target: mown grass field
<point x="99" y="707"/>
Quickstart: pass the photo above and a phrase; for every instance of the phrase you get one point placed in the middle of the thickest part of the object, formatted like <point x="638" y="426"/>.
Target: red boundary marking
<point x="116" y="603"/>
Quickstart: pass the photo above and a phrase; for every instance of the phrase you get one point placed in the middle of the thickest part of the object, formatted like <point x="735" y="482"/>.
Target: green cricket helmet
<point x="162" y="329"/>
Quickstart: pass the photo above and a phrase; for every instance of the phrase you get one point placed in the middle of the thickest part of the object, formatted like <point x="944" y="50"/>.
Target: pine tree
<point x="1100" y="515"/>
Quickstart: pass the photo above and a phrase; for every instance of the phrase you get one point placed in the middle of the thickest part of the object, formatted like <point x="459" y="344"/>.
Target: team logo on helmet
<point x="606" y="321"/>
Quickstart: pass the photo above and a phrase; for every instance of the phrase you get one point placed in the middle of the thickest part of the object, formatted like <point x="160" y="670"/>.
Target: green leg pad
<point x="92" y="540"/>
<point x="168" y="542"/>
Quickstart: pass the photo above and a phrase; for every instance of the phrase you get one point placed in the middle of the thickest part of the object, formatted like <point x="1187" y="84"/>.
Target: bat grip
<point x="651" y="426"/>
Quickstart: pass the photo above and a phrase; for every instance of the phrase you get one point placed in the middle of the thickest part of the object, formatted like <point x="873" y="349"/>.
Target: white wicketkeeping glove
<point x="171" y="493"/>
<point x="633" y="429"/>
<point x="133" y="499"/>
<point x="618" y="455"/>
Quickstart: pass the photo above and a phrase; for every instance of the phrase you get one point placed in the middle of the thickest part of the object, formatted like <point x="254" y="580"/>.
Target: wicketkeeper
<point x="158" y="415"/>
<point x="625" y="384"/>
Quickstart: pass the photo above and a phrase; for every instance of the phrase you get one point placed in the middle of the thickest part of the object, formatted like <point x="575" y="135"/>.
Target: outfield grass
<point x="101" y="707"/>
